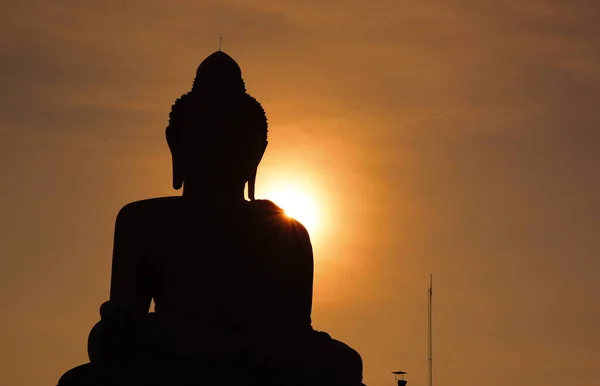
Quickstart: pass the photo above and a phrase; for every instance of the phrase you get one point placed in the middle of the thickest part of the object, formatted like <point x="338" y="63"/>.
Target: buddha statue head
<point x="217" y="132"/>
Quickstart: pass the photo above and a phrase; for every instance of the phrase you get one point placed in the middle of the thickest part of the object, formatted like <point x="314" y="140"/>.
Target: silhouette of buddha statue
<point x="231" y="278"/>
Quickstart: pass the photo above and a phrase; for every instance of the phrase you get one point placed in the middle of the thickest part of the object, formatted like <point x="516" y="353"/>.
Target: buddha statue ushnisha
<point x="231" y="278"/>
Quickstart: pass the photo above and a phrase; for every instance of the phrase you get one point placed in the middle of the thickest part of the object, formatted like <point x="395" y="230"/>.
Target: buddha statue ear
<point x="252" y="179"/>
<point x="177" y="159"/>
<point x="252" y="184"/>
<point x="177" y="172"/>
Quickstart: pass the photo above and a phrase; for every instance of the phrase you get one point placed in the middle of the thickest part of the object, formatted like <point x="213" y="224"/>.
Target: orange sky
<point x="457" y="138"/>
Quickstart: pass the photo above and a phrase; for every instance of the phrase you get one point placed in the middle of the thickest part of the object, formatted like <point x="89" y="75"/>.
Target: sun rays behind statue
<point x="298" y="203"/>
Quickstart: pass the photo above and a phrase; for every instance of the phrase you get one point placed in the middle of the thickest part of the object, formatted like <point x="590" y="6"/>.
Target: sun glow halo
<point x="297" y="204"/>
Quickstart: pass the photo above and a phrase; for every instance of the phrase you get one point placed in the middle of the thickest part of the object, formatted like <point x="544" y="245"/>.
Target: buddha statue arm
<point x="295" y="268"/>
<point x="130" y="289"/>
<point x="298" y="275"/>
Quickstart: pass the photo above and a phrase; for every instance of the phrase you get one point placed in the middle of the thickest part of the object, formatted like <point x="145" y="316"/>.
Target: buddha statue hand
<point x="114" y="335"/>
<point x="111" y="312"/>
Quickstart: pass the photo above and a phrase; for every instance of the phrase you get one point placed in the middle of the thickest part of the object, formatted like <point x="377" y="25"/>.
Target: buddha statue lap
<point x="231" y="279"/>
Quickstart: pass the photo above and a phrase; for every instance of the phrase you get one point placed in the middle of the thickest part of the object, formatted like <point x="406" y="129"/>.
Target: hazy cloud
<point x="462" y="135"/>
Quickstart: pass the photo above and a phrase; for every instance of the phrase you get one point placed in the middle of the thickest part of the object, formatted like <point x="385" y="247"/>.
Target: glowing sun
<point x="297" y="204"/>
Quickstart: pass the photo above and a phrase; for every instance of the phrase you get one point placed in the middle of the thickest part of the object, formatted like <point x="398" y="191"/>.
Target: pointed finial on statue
<point x="220" y="41"/>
